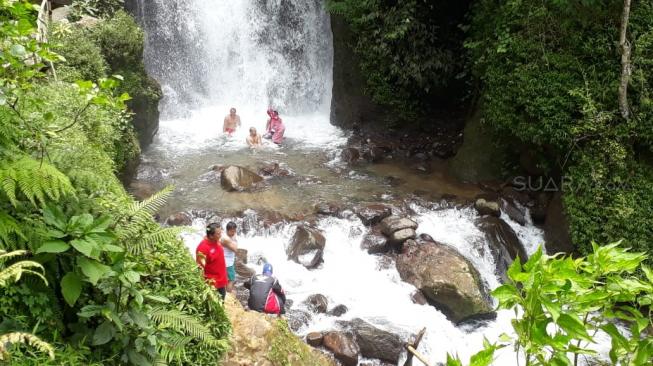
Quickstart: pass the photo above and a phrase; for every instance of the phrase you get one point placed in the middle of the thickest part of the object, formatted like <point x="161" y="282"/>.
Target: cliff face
<point x="349" y="104"/>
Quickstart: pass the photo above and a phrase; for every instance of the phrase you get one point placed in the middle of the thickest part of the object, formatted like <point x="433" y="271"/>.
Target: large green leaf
<point x="574" y="327"/>
<point x="71" y="287"/>
<point x="84" y="246"/>
<point x="54" y="246"/>
<point x="52" y="215"/>
<point x="92" y="269"/>
<point x="104" y="333"/>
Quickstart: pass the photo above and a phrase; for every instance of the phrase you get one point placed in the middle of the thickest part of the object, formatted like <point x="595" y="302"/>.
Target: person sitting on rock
<point x="265" y="293"/>
<point x="275" y="128"/>
<point x="231" y="122"/>
<point x="210" y="256"/>
<point x="254" y="139"/>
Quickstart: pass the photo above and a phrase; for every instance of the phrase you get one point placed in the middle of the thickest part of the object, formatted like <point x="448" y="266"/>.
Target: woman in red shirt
<point x="210" y="256"/>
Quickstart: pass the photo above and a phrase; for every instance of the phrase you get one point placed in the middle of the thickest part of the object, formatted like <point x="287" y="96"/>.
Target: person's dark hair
<point x="212" y="228"/>
<point x="231" y="225"/>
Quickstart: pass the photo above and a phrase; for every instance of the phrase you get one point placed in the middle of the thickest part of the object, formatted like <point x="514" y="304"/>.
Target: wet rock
<point x="314" y="339"/>
<point x="210" y="177"/>
<point x="298" y="319"/>
<point x="393" y="181"/>
<point x="503" y="242"/>
<point x="217" y="168"/>
<point x="446" y="278"/>
<point x="318" y="303"/>
<point x="485" y="207"/>
<point x="513" y="196"/>
<point x="141" y="190"/>
<point x="402" y="235"/>
<point x="392" y="224"/>
<point x="243" y="270"/>
<point x="306" y="247"/>
<point x="515" y="214"/>
<point x="373" y="214"/>
<point x="241" y="293"/>
<point x="179" y="219"/>
<point x="241" y="254"/>
<point x="338" y="310"/>
<point x="418" y="298"/>
<point x="374" y="242"/>
<point x="374" y="342"/>
<point x="385" y="261"/>
<point x="426" y="237"/>
<point x="350" y="155"/>
<point x="539" y="208"/>
<point x="556" y="227"/>
<point x="236" y="178"/>
<point x="343" y="346"/>
<point x="329" y="209"/>
<point x="273" y="170"/>
<point x="374" y="154"/>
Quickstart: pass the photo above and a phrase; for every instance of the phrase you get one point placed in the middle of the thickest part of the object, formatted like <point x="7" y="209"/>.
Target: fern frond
<point x="154" y="203"/>
<point x="35" y="180"/>
<point x="186" y="324"/>
<point x="8" y="226"/>
<point x="14" y="272"/>
<point x="24" y="338"/>
<point x="173" y="348"/>
<point x="158" y="236"/>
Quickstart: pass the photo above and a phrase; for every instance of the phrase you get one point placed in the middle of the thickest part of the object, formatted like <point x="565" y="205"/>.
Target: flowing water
<point x="249" y="54"/>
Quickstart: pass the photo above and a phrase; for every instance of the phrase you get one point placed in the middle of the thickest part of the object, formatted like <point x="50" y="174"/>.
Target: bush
<point x="550" y="74"/>
<point x="84" y="59"/>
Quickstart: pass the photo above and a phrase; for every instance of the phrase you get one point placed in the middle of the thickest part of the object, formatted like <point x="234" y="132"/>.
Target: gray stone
<point x="317" y="303"/>
<point x="306" y="247"/>
<point x="343" y="346"/>
<point x="392" y="224"/>
<point x="402" y="235"/>
<point x="447" y="279"/>
<point x="236" y="178"/>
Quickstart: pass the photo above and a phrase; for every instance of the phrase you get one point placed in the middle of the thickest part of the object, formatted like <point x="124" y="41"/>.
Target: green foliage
<point x="550" y="73"/>
<point x="84" y="60"/>
<point x="9" y="274"/>
<point x="122" y="289"/>
<point x="286" y="349"/>
<point x="410" y="51"/>
<point x="95" y="8"/>
<point x="561" y="303"/>
<point x="121" y="42"/>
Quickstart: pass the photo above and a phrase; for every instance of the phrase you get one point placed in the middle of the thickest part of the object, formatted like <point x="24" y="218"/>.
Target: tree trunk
<point x="626" y="70"/>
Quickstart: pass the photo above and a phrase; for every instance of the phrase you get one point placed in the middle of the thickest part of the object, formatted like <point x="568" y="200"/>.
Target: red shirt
<point x="215" y="268"/>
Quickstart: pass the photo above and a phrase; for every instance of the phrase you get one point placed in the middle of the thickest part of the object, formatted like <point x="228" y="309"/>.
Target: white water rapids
<point x="249" y="54"/>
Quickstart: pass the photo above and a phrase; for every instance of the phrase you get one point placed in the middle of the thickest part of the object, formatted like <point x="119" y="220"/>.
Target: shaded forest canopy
<point x="546" y="76"/>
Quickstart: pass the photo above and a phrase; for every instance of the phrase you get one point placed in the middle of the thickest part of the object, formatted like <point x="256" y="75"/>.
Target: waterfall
<point x="245" y="53"/>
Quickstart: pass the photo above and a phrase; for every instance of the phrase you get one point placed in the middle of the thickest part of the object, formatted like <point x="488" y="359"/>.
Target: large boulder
<point x="343" y="346"/>
<point x="374" y="342"/>
<point x="306" y="247"/>
<point x="314" y="339"/>
<point x="447" y="279"/>
<point x="317" y="303"/>
<point x="298" y="319"/>
<point x="503" y="242"/>
<point x="373" y="214"/>
<point x="338" y="310"/>
<point x="236" y="178"/>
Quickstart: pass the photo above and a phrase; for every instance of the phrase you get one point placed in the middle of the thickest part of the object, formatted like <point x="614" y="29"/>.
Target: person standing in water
<point x="231" y="122"/>
<point x="210" y="256"/>
<point x="275" y="128"/>
<point x="254" y="139"/>
<point x="230" y="246"/>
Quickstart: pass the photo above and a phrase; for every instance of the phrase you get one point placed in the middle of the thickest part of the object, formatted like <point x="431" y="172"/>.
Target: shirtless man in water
<point x="254" y="139"/>
<point x="231" y="122"/>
